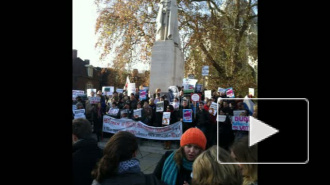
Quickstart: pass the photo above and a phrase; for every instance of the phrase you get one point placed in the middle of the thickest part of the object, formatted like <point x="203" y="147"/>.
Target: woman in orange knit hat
<point x="175" y="167"/>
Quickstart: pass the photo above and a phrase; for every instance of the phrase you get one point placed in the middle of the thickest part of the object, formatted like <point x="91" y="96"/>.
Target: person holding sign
<point x="185" y="125"/>
<point x="175" y="167"/>
<point x="203" y="121"/>
<point x="172" y="120"/>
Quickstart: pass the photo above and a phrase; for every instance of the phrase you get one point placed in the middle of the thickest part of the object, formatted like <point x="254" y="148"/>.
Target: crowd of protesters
<point x="194" y="162"/>
<point x="202" y="116"/>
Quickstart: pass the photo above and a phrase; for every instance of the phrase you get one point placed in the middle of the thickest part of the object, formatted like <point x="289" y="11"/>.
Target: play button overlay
<point x="277" y="127"/>
<point x="259" y="131"/>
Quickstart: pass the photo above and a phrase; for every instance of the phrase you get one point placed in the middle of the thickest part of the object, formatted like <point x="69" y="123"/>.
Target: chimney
<point x="87" y="61"/>
<point x="74" y="54"/>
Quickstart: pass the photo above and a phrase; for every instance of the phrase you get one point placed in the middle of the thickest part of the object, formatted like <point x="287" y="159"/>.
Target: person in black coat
<point x="119" y="166"/>
<point x="85" y="152"/>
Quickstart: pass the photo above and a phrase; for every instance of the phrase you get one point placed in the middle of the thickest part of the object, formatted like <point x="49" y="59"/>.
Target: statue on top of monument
<point x="167" y="22"/>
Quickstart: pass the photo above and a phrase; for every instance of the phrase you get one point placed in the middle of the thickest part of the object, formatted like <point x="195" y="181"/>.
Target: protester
<point x="173" y="119"/>
<point x="175" y="167"/>
<point x="242" y="152"/>
<point x="85" y="152"/>
<point x="119" y="164"/>
<point x="207" y="171"/>
<point x="185" y="125"/>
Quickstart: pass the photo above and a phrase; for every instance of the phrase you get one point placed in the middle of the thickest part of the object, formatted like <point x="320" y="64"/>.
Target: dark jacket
<point x="131" y="179"/>
<point x="183" y="175"/>
<point x="85" y="155"/>
<point x="202" y="118"/>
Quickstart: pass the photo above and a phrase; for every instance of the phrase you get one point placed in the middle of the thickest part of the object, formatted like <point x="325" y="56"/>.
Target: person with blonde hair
<point x="208" y="171"/>
<point x="242" y="152"/>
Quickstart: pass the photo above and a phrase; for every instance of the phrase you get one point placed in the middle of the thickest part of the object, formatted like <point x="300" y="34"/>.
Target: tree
<point x="213" y="32"/>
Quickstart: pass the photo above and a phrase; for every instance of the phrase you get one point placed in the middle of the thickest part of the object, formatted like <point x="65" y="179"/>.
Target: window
<point x="89" y="86"/>
<point x="89" y="70"/>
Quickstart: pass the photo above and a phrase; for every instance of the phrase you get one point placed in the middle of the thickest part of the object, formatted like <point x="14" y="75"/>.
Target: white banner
<point x="141" y="130"/>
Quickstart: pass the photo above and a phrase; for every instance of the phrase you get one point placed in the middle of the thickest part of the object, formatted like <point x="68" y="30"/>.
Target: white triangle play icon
<point x="259" y="131"/>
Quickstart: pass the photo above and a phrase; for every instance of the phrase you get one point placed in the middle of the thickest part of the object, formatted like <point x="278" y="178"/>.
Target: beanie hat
<point x="193" y="136"/>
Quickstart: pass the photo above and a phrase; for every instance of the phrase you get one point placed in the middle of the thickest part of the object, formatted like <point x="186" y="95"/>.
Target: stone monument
<point x="167" y="65"/>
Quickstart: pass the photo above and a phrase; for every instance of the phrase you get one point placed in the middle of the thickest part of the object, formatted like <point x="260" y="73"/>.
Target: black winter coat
<point x="85" y="155"/>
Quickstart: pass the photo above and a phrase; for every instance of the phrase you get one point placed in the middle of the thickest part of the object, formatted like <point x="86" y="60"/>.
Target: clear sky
<point x="83" y="38"/>
<point x="83" y="26"/>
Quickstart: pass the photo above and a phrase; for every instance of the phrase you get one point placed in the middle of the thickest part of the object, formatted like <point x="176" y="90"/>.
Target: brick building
<point x="84" y="75"/>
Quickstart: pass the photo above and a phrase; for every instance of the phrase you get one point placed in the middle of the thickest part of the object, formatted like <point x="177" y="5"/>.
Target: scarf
<point x="171" y="170"/>
<point x="129" y="166"/>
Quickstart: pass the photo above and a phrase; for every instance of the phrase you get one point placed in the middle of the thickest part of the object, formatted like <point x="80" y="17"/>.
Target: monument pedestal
<point x="167" y="66"/>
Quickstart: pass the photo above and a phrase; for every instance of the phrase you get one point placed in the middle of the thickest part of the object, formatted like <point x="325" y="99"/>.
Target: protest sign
<point x="79" y="113"/>
<point x="205" y="70"/>
<point x="130" y="89"/>
<point x="160" y="106"/>
<point x="238" y="112"/>
<point x="113" y="111"/>
<point x="76" y="93"/>
<point x="213" y="108"/>
<point x="142" y="95"/>
<point x="187" y="115"/>
<point x="221" y="118"/>
<point x="251" y="91"/>
<point x="240" y="123"/>
<point x="119" y="90"/>
<point x="208" y="94"/>
<point x="94" y="100"/>
<point x="137" y="113"/>
<point x="188" y="85"/>
<point x="230" y="92"/>
<point x="166" y="118"/>
<point x="89" y="92"/>
<point x="108" y="90"/>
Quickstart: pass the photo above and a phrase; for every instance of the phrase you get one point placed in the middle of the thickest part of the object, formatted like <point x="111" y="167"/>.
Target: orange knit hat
<point x="193" y="136"/>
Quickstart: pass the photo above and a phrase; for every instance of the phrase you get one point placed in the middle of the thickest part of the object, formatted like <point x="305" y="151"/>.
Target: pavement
<point x="150" y="152"/>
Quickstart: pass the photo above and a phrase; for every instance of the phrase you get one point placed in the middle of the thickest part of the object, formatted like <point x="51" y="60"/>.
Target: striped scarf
<point x="171" y="170"/>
